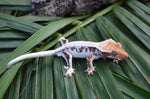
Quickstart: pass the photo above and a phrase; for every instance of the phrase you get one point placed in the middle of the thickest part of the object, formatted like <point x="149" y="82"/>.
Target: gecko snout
<point x="122" y="55"/>
<point x="125" y="55"/>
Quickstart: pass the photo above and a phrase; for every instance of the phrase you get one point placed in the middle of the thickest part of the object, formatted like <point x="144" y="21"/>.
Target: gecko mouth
<point x="111" y="57"/>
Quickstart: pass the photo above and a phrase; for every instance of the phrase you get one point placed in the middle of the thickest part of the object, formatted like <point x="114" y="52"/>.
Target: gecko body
<point x="81" y="49"/>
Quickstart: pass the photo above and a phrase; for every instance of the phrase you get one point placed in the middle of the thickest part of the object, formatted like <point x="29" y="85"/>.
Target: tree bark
<point x="66" y="7"/>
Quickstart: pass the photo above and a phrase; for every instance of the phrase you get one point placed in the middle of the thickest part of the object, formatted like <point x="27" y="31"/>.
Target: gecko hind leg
<point x="90" y="68"/>
<point x="68" y="58"/>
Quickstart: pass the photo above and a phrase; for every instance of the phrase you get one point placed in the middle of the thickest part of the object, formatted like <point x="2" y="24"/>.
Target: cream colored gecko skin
<point x="81" y="49"/>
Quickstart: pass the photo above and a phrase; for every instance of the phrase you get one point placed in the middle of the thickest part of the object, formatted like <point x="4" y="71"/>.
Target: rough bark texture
<point x="66" y="7"/>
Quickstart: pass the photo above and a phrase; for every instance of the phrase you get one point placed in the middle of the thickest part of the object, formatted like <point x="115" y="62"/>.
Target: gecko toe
<point x="90" y="71"/>
<point x="73" y="72"/>
<point x="86" y="71"/>
<point x="116" y="61"/>
<point x="70" y="75"/>
<point x="65" y="75"/>
<point x="69" y="72"/>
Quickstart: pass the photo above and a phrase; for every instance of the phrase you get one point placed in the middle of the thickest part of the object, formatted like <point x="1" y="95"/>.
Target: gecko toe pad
<point x="90" y="71"/>
<point x="69" y="72"/>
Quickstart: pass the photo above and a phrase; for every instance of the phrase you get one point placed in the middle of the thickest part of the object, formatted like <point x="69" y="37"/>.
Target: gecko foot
<point x="116" y="61"/>
<point x="69" y="72"/>
<point x="90" y="71"/>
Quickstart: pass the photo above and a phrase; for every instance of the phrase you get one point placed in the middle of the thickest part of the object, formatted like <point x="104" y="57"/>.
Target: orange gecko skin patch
<point x="89" y="58"/>
<point x="90" y="68"/>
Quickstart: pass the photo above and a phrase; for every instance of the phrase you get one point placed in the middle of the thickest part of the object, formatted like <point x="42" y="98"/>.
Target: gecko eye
<point x="114" y="53"/>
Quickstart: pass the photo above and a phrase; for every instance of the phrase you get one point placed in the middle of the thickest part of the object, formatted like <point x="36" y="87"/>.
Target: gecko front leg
<point x="90" y="68"/>
<point x="68" y="58"/>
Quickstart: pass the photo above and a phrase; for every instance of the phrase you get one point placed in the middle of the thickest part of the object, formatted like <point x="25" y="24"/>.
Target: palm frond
<point x="43" y="77"/>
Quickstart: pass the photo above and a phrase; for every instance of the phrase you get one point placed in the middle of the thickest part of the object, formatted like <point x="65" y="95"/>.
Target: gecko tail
<point x="31" y="55"/>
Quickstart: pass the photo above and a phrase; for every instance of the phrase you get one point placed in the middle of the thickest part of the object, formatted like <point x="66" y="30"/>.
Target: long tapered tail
<point x="31" y="55"/>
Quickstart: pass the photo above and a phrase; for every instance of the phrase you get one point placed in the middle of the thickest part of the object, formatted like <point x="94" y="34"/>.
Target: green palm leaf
<point x="43" y="77"/>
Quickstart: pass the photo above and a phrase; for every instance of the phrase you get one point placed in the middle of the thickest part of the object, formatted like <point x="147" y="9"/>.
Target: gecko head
<point x="115" y="50"/>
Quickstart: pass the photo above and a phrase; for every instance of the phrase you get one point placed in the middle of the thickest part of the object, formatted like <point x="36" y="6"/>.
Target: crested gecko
<point x="81" y="49"/>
